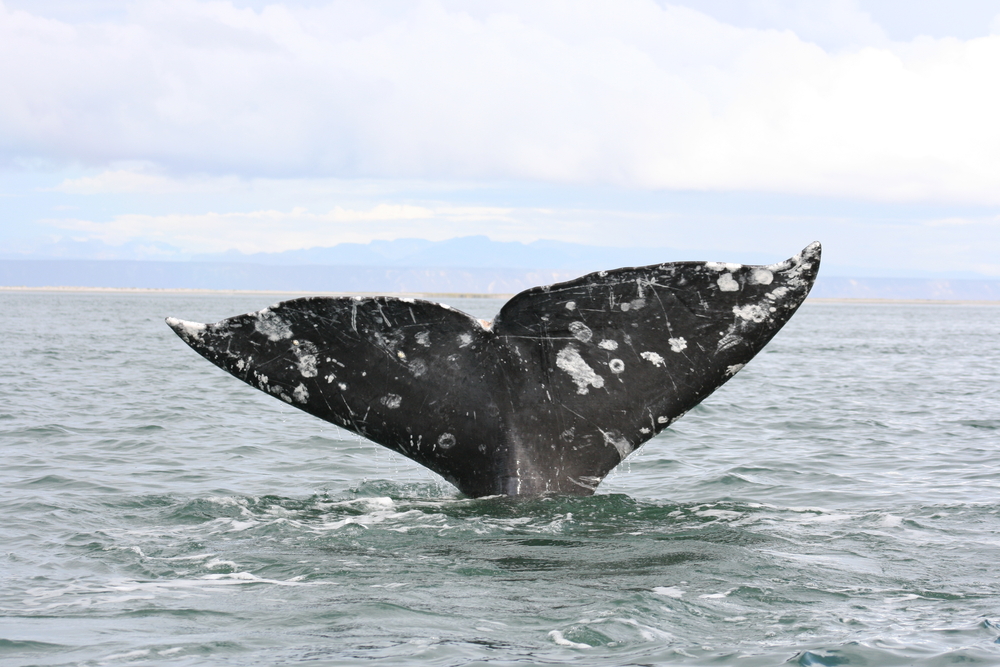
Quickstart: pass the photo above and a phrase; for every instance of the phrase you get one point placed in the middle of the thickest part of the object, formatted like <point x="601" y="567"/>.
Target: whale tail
<point x="567" y="381"/>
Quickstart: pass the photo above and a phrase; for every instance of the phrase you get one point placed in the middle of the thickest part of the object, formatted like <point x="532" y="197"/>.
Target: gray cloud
<point x="633" y="94"/>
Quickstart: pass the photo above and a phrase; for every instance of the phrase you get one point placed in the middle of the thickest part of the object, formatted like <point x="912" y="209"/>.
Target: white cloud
<point x="277" y="231"/>
<point x="630" y="93"/>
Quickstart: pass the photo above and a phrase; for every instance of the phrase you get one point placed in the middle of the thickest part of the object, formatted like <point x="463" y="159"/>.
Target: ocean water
<point x="836" y="503"/>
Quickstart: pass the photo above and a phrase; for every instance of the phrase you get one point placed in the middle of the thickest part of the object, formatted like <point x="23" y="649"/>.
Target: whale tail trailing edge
<point x="566" y="382"/>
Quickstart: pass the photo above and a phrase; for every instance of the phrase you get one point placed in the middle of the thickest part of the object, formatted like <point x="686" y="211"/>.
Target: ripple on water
<point x="834" y="504"/>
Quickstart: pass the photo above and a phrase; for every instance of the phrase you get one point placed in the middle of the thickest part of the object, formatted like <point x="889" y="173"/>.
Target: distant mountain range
<point x="463" y="252"/>
<point x="479" y="252"/>
<point x="470" y="265"/>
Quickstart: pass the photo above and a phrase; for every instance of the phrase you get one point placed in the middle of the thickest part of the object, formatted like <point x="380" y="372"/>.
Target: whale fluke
<point x="567" y="381"/>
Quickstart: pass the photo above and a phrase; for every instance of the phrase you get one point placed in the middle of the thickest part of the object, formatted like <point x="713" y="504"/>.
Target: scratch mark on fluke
<point x="537" y="403"/>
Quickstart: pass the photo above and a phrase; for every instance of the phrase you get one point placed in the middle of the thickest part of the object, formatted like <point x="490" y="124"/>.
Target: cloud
<point x="277" y="231"/>
<point x="631" y="94"/>
<point x="119" y="181"/>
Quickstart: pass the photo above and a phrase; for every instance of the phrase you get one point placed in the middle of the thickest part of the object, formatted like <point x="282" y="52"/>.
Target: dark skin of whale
<point x="567" y="380"/>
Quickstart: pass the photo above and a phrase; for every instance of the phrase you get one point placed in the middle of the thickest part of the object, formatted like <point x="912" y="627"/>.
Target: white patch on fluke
<point x="301" y="394"/>
<point x="727" y="283"/>
<point x="734" y="369"/>
<point x="418" y="367"/>
<point x="464" y="340"/>
<point x="424" y="338"/>
<point x="583" y="376"/>
<point x="306" y="352"/>
<point x="581" y="331"/>
<point x="272" y="326"/>
<point x="446" y="441"/>
<point x="778" y="293"/>
<point x="723" y="266"/>
<point x="653" y="358"/>
<point x="634" y="304"/>
<point x="761" y="277"/>
<point x="608" y="344"/>
<point x="392" y="401"/>
<point x="571" y="305"/>
<point x="677" y="344"/>
<point x="663" y="420"/>
<point x="751" y="313"/>
<point x="616" y="365"/>
<point x="190" y="329"/>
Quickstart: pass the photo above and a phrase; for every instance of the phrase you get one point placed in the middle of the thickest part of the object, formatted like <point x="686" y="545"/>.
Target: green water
<point x="838" y="502"/>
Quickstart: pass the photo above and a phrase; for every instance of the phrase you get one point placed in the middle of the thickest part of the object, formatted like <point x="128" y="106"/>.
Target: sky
<point x="726" y="126"/>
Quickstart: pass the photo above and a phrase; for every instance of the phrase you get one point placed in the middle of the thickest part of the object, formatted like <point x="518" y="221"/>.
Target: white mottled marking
<point x="191" y="329"/>
<point x="418" y="367"/>
<point x="392" y="401"/>
<point x="571" y="305"/>
<point x="272" y="326"/>
<point x="569" y="360"/>
<point x="401" y="354"/>
<point x="581" y="331"/>
<point x="778" y="293"/>
<point x="424" y="338"/>
<point x="343" y="387"/>
<point x="446" y="441"/>
<point x="653" y="358"/>
<point x="608" y="344"/>
<point x="330" y="378"/>
<point x="677" y="344"/>
<point x="616" y="365"/>
<point x="761" y="277"/>
<point x="644" y="430"/>
<point x="723" y="266"/>
<point x="307" y="354"/>
<point x="301" y="394"/>
<point x="307" y="365"/>
<point x="663" y="420"/>
<point x="750" y="313"/>
<point x="734" y="369"/>
<point x="727" y="284"/>
<point x="464" y="340"/>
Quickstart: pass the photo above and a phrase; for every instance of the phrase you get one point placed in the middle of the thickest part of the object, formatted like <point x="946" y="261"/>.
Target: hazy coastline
<point x="453" y="295"/>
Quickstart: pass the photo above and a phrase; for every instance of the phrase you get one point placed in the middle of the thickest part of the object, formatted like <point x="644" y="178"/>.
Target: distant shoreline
<point x="192" y="290"/>
<point x="452" y="295"/>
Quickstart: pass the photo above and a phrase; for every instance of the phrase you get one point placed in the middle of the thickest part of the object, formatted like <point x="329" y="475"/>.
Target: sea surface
<point x="836" y="503"/>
